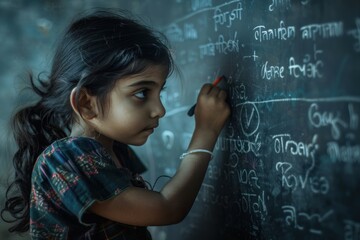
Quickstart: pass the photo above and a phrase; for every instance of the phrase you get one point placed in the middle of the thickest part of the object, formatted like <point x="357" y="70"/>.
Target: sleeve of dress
<point x="85" y="173"/>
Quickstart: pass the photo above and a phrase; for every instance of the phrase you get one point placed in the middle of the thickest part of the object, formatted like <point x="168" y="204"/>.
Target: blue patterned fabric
<point x="67" y="178"/>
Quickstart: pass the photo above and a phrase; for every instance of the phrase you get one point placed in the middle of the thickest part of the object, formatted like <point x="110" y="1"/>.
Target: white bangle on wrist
<point x="197" y="151"/>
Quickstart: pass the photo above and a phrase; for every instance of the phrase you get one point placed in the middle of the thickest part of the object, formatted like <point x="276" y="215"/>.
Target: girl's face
<point x="134" y="107"/>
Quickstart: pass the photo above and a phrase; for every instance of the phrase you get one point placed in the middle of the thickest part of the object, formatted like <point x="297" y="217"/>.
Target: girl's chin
<point x="140" y="141"/>
<point x="141" y="138"/>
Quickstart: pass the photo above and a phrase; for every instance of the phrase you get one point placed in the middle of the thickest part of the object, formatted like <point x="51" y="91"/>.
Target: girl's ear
<point x="86" y="106"/>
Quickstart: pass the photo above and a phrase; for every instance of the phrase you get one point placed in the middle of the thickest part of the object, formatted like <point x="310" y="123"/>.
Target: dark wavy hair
<point x="95" y="51"/>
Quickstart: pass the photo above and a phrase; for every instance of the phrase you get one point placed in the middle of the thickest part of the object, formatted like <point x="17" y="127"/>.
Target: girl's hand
<point x="211" y="110"/>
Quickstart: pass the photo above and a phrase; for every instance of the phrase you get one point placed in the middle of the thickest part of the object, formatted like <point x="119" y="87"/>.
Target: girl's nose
<point x="158" y="110"/>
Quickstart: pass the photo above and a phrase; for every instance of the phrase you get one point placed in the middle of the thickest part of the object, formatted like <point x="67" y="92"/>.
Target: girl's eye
<point x="141" y="94"/>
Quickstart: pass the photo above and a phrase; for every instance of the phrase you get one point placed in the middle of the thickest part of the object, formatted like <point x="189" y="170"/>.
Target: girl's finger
<point x="222" y="94"/>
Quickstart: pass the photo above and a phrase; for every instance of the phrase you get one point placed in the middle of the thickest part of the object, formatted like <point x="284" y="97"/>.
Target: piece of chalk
<point x="216" y="82"/>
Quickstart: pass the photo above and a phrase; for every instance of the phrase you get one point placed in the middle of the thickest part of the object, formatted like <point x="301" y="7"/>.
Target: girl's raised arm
<point x="141" y="207"/>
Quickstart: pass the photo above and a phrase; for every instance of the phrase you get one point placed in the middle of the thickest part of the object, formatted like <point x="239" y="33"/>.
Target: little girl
<point x="76" y="175"/>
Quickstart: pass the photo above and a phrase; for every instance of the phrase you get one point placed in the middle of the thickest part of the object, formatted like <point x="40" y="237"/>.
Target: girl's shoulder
<point x="76" y="156"/>
<point x="81" y="143"/>
<point x="76" y="148"/>
<point x="78" y="140"/>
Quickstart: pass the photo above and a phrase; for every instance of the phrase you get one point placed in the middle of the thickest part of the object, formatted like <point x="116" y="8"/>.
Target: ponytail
<point x="34" y="127"/>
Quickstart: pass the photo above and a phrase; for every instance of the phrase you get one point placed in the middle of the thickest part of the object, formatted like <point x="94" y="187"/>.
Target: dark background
<point x="287" y="163"/>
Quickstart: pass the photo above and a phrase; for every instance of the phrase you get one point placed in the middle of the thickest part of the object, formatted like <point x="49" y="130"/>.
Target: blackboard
<point x="287" y="164"/>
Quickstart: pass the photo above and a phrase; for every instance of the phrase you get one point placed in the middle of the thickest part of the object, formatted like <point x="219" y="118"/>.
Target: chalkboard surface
<point x="287" y="164"/>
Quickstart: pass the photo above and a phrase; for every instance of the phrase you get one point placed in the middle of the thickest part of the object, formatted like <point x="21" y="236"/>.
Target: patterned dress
<point x="67" y="178"/>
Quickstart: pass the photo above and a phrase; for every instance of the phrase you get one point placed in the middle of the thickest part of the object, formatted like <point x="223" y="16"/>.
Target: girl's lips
<point x="150" y="129"/>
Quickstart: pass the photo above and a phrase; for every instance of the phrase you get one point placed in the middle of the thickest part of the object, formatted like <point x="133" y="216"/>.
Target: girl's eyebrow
<point x="145" y="83"/>
<point x="142" y="83"/>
